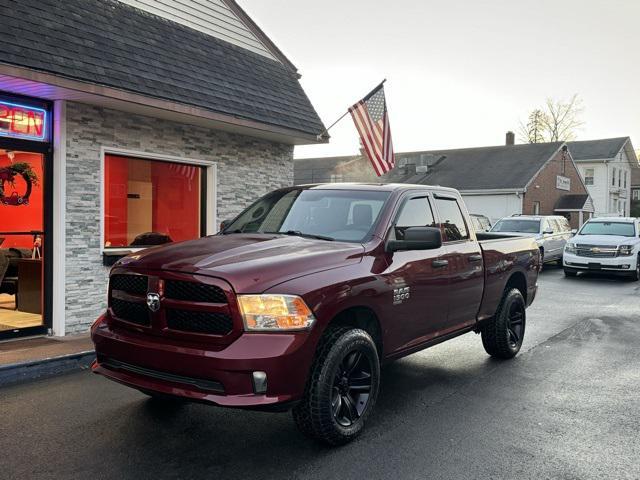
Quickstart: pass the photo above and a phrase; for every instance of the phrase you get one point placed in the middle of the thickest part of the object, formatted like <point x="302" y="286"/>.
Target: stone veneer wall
<point x="247" y="168"/>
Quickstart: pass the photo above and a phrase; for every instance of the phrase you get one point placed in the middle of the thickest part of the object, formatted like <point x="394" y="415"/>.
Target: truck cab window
<point x="416" y="212"/>
<point x="452" y="221"/>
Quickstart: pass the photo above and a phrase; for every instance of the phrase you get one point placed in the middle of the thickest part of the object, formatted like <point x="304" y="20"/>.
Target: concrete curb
<point x="14" y="373"/>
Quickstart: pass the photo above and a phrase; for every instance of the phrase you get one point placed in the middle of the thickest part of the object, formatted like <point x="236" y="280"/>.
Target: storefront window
<point x="21" y="240"/>
<point x="149" y="202"/>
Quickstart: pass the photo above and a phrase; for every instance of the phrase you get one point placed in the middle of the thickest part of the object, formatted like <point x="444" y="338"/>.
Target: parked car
<point x="605" y="245"/>
<point x="481" y="223"/>
<point x="300" y="299"/>
<point x="551" y="233"/>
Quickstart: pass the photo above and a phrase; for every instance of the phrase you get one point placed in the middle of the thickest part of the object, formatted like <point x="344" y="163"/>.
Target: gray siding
<point x="246" y="168"/>
<point x="212" y="17"/>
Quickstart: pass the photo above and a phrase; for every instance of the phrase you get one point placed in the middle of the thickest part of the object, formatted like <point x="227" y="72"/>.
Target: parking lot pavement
<point x="566" y="407"/>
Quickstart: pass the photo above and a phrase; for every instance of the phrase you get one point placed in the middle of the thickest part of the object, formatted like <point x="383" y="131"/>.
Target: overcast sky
<point x="460" y="73"/>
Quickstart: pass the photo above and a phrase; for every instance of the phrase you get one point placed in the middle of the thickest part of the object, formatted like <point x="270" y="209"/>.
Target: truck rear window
<point x="335" y="214"/>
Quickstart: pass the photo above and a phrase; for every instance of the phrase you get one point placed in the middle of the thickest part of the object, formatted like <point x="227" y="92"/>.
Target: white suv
<point x="550" y="231"/>
<point x="605" y="245"/>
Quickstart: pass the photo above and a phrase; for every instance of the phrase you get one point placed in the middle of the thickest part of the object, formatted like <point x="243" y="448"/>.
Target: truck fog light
<point x="626" y="267"/>
<point x="259" y="380"/>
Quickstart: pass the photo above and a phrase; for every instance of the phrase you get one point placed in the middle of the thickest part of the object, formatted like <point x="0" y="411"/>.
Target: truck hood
<point x="604" y="240"/>
<point x="251" y="263"/>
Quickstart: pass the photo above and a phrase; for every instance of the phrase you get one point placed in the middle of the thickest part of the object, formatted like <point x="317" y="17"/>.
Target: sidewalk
<point x="32" y="358"/>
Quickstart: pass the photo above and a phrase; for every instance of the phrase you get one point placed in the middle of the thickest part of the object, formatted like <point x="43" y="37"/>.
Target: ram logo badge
<point x="400" y="295"/>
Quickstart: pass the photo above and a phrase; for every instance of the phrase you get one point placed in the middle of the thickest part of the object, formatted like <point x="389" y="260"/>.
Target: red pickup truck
<point x="297" y="302"/>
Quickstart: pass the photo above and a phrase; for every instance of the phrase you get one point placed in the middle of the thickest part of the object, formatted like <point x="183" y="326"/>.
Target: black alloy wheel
<point x="515" y="324"/>
<point x="503" y="334"/>
<point x="351" y="388"/>
<point x="342" y="388"/>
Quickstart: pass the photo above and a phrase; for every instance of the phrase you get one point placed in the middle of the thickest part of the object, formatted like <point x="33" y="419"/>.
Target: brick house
<point x="495" y="181"/>
<point x="142" y="122"/>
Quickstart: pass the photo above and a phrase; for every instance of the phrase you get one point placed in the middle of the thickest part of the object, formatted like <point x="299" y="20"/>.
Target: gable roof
<point x="597" y="149"/>
<point x="106" y="42"/>
<point x="504" y="167"/>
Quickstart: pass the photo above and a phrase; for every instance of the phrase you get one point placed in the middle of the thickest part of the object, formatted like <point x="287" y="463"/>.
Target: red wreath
<point x="8" y="176"/>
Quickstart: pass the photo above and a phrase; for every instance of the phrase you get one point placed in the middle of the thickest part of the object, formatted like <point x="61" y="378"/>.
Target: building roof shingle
<point x="483" y="168"/>
<point x="596" y="149"/>
<point x="108" y="43"/>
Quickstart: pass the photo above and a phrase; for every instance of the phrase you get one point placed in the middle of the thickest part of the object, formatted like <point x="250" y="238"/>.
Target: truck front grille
<point x="596" y="251"/>
<point x="199" y="322"/>
<point x="134" y="284"/>
<point x="194" y="292"/>
<point x="189" y="304"/>
<point x="132" y="312"/>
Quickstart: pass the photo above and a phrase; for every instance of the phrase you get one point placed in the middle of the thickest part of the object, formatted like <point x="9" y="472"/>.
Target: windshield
<point x="517" y="225"/>
<point x="621" y="229"/>
<point x="327" y="214"/>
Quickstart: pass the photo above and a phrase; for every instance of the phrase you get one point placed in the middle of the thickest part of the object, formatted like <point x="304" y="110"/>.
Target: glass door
<point x="22" y="242"/>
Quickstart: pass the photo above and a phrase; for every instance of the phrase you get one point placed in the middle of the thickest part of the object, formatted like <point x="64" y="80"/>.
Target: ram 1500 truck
<point x="297" y="302"/>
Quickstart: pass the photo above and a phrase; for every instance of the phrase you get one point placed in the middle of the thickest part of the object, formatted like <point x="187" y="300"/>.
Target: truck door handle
<point x="475" y="258"/>
<point x="440" y="263"/>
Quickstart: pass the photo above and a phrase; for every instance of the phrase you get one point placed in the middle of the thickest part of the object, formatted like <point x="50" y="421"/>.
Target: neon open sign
<point x="22" y="121"/>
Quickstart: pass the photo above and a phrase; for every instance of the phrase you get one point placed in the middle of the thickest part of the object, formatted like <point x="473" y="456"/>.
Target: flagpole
<point x="323" y="135"/>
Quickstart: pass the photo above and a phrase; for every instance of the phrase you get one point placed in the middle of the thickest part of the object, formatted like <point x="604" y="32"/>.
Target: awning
<point x="574" y="203"/>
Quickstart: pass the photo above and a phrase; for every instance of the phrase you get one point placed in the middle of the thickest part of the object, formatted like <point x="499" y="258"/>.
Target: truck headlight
<point x="625" y="250"/>
<point x="269" y="313"/>
<point x="570" y="248"/>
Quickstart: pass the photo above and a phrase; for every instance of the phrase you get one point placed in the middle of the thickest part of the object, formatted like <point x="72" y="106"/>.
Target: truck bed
<point x="503" y="256"/>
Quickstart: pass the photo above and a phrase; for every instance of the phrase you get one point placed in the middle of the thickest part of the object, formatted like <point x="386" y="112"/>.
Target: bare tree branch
<point x="558" y="121"/>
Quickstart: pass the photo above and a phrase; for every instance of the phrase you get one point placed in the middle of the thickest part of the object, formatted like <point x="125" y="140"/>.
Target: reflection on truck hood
<point x="252" y="263"/>
<point x="604" y="240"/>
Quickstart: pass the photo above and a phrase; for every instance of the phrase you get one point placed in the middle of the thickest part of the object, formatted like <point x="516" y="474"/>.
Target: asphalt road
<point x="567" y="407"/>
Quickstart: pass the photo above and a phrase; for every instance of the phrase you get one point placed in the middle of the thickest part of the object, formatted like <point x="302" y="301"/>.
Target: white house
<point x="605" y="166"/>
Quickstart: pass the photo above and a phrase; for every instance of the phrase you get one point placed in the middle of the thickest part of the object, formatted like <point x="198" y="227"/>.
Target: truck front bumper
<point x="621" y="265"/>
<point x="220" y="375"/>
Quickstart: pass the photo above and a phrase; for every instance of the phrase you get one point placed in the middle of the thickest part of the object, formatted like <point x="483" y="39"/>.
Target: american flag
<point x="372" y="122"/>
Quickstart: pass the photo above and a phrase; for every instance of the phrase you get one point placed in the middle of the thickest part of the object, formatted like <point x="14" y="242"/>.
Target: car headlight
<point x="570" y="248"/>
<point x="273" y="313"/>
<point x="625" y="250"/>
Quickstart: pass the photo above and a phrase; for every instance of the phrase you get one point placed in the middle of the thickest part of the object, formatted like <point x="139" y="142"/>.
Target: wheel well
<point x="363" y="318"/>
<point x="517" y="280"/>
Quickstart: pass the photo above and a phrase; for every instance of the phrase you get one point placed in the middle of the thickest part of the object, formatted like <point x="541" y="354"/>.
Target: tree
<point x="532" y="131"/>
<point x="557" y="121"/>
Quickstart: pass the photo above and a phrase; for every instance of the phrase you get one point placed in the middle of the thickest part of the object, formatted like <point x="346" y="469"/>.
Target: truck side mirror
<point x="417" y="238"/>
<point x="548" y="232"/>
<point x="574" y="231"/>
<point x="224" y="224"/>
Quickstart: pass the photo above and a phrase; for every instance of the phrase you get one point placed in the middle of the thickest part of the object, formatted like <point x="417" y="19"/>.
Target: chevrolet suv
<point x="609" y="245"/>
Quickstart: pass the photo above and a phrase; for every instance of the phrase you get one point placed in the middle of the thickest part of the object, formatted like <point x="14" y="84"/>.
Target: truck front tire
<point x="502" y="336"/>
<point x="342" y="388"/>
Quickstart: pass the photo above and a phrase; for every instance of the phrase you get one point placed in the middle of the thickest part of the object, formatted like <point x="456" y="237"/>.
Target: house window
<point x="589" y="174"/>
<point x="150" y="202"/>
<point x="613" y="178"/>
<point x="536" y="208"/>
<point x="635" y="194"/>
<point x="625" y="179"/>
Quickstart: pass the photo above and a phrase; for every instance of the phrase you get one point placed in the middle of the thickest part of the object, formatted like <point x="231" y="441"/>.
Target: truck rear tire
<point x="502" y="336"/>
<point x="342" y="388"/>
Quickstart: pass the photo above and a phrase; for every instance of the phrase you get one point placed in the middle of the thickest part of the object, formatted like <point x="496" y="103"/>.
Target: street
<point x="566" y="407"/>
